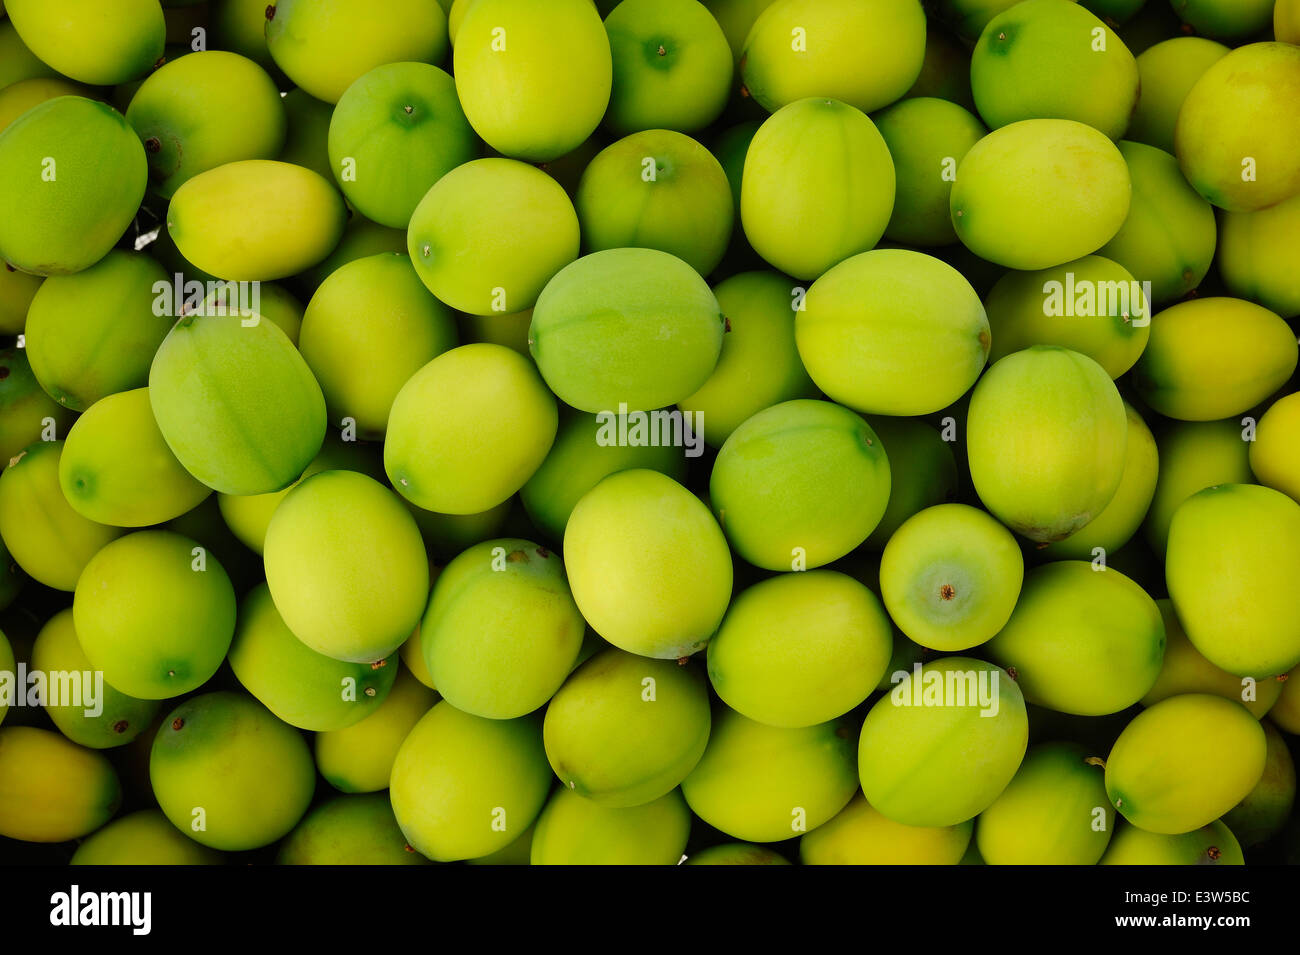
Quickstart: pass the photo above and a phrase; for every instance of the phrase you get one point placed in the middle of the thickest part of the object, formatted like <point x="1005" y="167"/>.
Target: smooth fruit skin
<point x="942" y="760"/>
<point x="464" y="786"/>
<point x="1236" y="127"/>
<point x="52" y="790"/>
<point x="922" y="472"/>
<point x="324" y="45"/>
<point x="867" y="54"/>
<point x="893" y="332"/>
<point x="1225" y="19"/>
<point x="17" y="289"/>
<point x="1167" y="72"/>
<point x="26" y="411"/>
<point x="1253" y="256"/>
<point x="648" y="565"/>
<point x="534" y="79"/>
<point x="75" y="174"/>
<point x="950" y="577"/>
<point x="18" y="98"/>
<point x="1275" y="452"/>
<point x="346" y="566"/>
<point x="861" y="835"/>
<point x="144" y="837"/>
<point x="236" y="403"/>
<point x="229" y="774"/>
<point x="818" y="186"/>
<point x="1001" y="220"/>
<point x="101" y="42"/>
<point x="468" y="430"/>
<point x="155" y="611"/>
<point x="1233" y="557"/>
<point x="1210" y="845"/>
<point x="1286" y="21"/>
<point x="800" y="649"/>
<point x="634" y="327"/>
<point x="799" y="485"/>
<point x="1183" y="763"/>
<point x="1267" y="808"/>
<point x="736" y="853"/>
<point x="349" y="830"/>
<point x="1194" y="455"/>
<point x="1046" y="436"/>
<point x="256" y="220"/>
<point x="576" y="831"/>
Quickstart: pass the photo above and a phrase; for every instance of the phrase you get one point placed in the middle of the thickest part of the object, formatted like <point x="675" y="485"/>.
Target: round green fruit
<point x="1167" y="72"/>
<point x="1210" y="845"/>
<point x="349" y="830"/>
<point x="1194" y="455"/>
<point x="575" y="831"/>
<point x="144" y="837"/>
<point x="1253" y="256"/>
<point x="1275" y="452"/>
<point x="1225" y="19"/>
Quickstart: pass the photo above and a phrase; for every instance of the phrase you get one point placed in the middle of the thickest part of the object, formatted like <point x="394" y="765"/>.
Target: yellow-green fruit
<point x="412" y="652"/>
<point x="17" y="62"/>
<point x="922" y="472"/>
<point x="648" y="565"/>
<point x="893" y="332"/>
<point x="861" y="835"/>
<point x="405" y="329"/>
<point x="944" y="743"/>
<point x="867" y="54"/>
<point x="468" y="429"/>
<point x="1212" y="358"/>
<point x="1253" y="256"/>
<point x="101" y="42"/>
<point x="624" y="730"/>
<point x="44" y="535"/>
<point x="1210" y="845"/>
<point x="52" y="790"/>
<point x="576" y="831"/>
<point x="1225" y="19"/>
<point x="1286" y="21"/>
<point x="1000" y="220"/>
<point x="18" y="98"/>
<point x="1275" y="452"/>
<point x="464" y="786"/>
<point x="489" y="235"/>
<point x="75" y="174"/>
<point x="1194" y="455"/>
<point x="1234" y="553"/>
<point x="144" y="837"/>
<point x="737" y="853"/>
<point x="17" y="289"/>
<point x="346" y="566"/>
<point x="85" y="709"/>
<point x="306" y="140"/>
<point x="1168" y="71"/>
<point x="818" y="186"/>
<point x="229" y="774"/>
<point x="349" y="830"/>
<point x="1237" y="125"/>
<point x="1183" y="763"/>
<point x="1046" y="436"/>
<point x="1265" y="810"/>
<point x="1054" y="812"/>
<point x="766" y="783"/>
<point x="534" y="79"/>
<point x="1092" y="305"/>
<point x="324" y="45"/>
<point x="359" y="758"/>
<point x="240" y="26"/>
<point x="736" y="17"/>
<point x="155" y="612"/>
<point x="27" y="413"/>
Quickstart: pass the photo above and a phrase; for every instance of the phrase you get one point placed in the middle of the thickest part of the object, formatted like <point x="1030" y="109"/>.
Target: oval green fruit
<point x="576" y="831"/>
<point x="52" y="790"/>
<point x="125" y="43"/>
<point x="1275" y="452"/>
<point x="861" y="835"/>
<point x="1267" y="808"/>
<point x="1194" y="455"/>
<point x="27" y="413"/>
<point x="1167" y="72"/>
<point x="349" y="830"/>
<point x="1210" y="845"/>
<point x="1252" y="256"/>
<point x="144" y="837"/>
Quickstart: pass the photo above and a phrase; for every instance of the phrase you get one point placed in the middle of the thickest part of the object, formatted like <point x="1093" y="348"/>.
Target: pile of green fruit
<point x="739" y="431"/>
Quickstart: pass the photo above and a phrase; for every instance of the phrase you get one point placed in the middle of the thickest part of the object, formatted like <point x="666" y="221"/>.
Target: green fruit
<point x="464" y="786"/>
<point x="156" y="613"/>
<point x="405" y="329"/>
<point x="922" y="472"/>
<point x="274" y="303"/>
<point x="144" y="837"/>
<point x="1054" y="812"/>
<point x="1194" y="455"/>
<point x="1234" y="552"/>
<point x="1211" y="845"/>
<point x="1252" y="256"/>
<point x="657" y="189"/>
<point x="18" y="98"/>
<point x="941" y="747"/>
<point x="534" y="79"/>
<point x="468" y="430"/>
<point x="1225" y="19"/>
<point x="576" y="831"/>
<point x="648" y="565"/>
<point x="950" y="577"/>
<point x="672" y="66"/>
<point x="800" y="649"/>
<point x="893" y="332"/>
<point x="256" y="220"/>
<point x="1275" y="452"/>
<point x="17" y="289"/>
<point x="1167" y="72"/>
<point x="75" y="174"/>
<point x="1237" y="125"/>
<point x="26" y="411"/>
<point x="349" y="830"/>
<point x="44" y="535"/>
<point x="395" y="132"/>
<point x="52" y="790"/>
<point x="490" y="234"/>
<point x="818" y="185"/>
<point x="967" y="18"/>
<point x="359" y="758"/>
<point x="624" y="730"/>
<point x="634" y="327"/>
<point x="736" y="853"/>
<point x="1286" y="21"/>
<point x="736" y="17"/>
<point x="346" y="566"/>
<point x="202" y="111"/>
<point x="945" y="72"/>
<point x="240" y="26"/>
<point x="1046" y="437"/>
<point x="1183" y="763"/>
<point x="866" y="54"/>
<point x="862" y="835"/>
<point x="1265" y="811"/>
<point x="325" y="45"/>
<point x="307" y="130"/>
<point x="17" y="62"/>
<point x="767" y="784"/>
<point x="1000" y="220"/>
<point x="101" y="42"/>
<point x="229" y="774"/>
<point x="236" y="403"/>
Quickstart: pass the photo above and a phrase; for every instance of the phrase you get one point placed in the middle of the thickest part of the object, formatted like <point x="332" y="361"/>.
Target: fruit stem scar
<point x="177" y="723"/>
<point x="270" y="11"/>
<point x="379" y="664"/>
<point x="120" y="726"/>
<point x="152" y="144"/>
<point x="947" y="592"/>
<point x="662" y="51"/>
